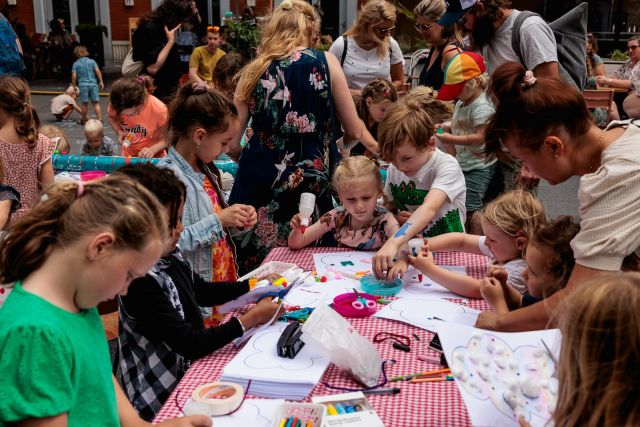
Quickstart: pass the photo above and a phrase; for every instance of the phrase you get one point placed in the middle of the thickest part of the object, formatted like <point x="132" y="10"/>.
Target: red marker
<point x="419" y="277"/>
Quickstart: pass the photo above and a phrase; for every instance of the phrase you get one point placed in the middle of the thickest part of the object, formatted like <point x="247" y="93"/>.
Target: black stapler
<point x="289" y="343"/>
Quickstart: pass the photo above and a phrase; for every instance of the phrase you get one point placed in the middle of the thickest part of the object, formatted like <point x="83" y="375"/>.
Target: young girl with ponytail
<point x="26" y="154"/>
<point x="81" y="245"/>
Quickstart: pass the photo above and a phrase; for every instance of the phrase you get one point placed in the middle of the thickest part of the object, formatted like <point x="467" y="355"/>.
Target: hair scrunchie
<point x="529" y="79"/>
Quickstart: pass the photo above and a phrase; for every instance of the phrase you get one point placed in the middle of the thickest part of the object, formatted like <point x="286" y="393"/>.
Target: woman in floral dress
<point x="292" y="93"/>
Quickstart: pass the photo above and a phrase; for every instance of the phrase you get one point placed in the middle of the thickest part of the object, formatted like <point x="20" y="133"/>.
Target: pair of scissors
<point x="361" y="302"/>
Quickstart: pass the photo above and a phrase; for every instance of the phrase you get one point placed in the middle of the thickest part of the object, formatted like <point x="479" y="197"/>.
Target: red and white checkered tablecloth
<point x="418" y="405"/>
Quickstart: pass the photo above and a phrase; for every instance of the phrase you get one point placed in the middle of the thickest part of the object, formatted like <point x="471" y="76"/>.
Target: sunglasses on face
<point x="632" y="47"/>
<point x="213" y="28"/>
<point x="422" y="27"/>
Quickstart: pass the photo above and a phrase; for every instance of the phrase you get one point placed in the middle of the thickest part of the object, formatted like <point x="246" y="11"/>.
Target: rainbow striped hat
<point x="460" y="69"/>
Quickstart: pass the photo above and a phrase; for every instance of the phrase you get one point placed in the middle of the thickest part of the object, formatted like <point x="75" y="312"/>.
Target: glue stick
<point x="306" y="207"/>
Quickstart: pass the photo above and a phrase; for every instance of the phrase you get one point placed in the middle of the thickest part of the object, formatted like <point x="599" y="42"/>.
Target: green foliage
<point x="618" y="55"/>
<point x="90" y="28"/>
<point x="243" y="36"/>
<point x="406" y="12"/>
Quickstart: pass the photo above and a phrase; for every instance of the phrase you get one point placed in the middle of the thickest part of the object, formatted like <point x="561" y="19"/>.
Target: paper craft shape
<point x="503" y="375"/>
<point x="311" y="294"/>
<point x="428" y="312"/>
<point x="412" y="287"/>
<point x="253" y="412"/>
<point x="271" y="375"/>
<point x="353" y="263"/>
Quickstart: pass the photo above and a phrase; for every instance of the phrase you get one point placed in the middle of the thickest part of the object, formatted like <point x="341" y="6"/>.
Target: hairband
<point x="529" y="79"/>
<point x="386" y="93"/>
<point x="80" y="189"/>
<point x="199" y="87"/>
<point x="141" y="80"/>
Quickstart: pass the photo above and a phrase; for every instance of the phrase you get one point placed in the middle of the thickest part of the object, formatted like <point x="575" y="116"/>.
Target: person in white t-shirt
<point x="424" y="185"/>
<point x="545" y="123"/>
<point x="63" y="105"/>
<point x="371" y="51"/>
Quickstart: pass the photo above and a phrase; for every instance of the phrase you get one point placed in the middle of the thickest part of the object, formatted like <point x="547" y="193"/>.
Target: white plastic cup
<point x="415" y="245"/>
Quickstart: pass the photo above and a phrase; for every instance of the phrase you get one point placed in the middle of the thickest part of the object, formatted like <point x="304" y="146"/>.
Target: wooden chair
<point x="598" y="98"/>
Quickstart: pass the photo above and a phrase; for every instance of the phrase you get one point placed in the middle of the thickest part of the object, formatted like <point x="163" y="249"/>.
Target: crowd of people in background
<point x="456" y="159"/>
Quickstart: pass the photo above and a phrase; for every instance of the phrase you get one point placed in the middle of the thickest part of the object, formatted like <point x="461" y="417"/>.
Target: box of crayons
<point x="348" y="409"/>
<point x="291" y="414"/>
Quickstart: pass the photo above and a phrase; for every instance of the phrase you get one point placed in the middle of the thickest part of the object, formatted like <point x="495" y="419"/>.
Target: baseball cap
<point x="460" y="69"/>
<point x="455" y="10"/>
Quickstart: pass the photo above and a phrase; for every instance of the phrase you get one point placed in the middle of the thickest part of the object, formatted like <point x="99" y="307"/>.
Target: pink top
<point x="22" y="167"/>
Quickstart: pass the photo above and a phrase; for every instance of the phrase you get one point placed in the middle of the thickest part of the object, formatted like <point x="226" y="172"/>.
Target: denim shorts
<point x="89" y="93"/>
<point x="477" y="181"/>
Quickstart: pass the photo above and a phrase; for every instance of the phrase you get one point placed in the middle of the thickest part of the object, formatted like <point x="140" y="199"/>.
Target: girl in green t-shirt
<point x="81" y="245"/>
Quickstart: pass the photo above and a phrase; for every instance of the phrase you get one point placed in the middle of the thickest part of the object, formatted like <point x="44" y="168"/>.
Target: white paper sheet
<point x="503" y="375"/>
<point x="259" y="360"/>
<point x="312" y="293"/>
<point x="428" y="312"/>
<point x="412" y="287"/>
<point x="253" y="412"/>
<point x="353" y="263"/>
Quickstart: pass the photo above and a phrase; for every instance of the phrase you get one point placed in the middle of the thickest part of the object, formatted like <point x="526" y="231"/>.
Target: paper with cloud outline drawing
<point x="428" y="312"/>
<point x="312" y="293"/>
<point x="503" y="375"/>
<point x="334" y="262"/>
<point x="254" y="413"/>
<point x="259" y="360"/>
<point x="411" y="287"/>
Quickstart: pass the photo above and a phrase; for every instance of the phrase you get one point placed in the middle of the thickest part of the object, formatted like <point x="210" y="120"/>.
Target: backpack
<point x="570" y="31"/>
<point x="344" y="51"/>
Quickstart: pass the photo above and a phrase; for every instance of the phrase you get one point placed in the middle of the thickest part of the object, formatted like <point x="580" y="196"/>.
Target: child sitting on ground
<point x="161" y="326"/>
<point x="64" y="104"/>
<point x="424" y="185"/>
<point x="96" y="143"/>
<point x="58" y="137"/>
<point x="138" y="118"/>
<point x="465" y="81"/>
<point x="550" y="261"/>
<point x="507" y="223"/>
<point x="359" y="223"/>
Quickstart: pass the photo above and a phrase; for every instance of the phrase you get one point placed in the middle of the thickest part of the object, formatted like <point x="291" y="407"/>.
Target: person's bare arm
<point x="354" y="128"/>
<point x="74" y="80"/>
<point x="461" y="242"/>
<point x="537" y="316"/>
<point x="397" y="75"/>
<point x="547" y="69"/>
<point x="99" y="76"/>
<point x="46" y="177"/>
<point x="61" y="420"/>
<point x="164" y="53"/>
<point x="611" y="82"/>
<point x="193" y="75"/>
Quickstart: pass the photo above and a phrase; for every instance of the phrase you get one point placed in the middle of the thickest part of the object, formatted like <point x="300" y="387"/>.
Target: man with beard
<point x="489" y="23"/>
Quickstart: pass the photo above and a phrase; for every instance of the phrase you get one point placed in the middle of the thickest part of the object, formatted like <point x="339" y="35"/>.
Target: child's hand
<point x="146" y="153"/>
<point x="192" y="421"/>
<point x="383" y="260"/>
<point x="234" y="216"/>
<point x="101" y="85"/>
<point x="491" y="290"/>
<point x="295" y="222"/>
<point x="446" y="126"/>
<point x="488" y="320"/>
<point x="424" y="261"/>
<point x="251" y="216"/>
<point x="498" y="273"/>
<point x="262" y="312"/>
<point x="248" y="133"/>
<point x="403" y="216"/>
<point x="399" y="269"/>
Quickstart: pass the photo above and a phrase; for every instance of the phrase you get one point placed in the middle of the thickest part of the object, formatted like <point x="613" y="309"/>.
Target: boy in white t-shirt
<point x="424" y="185"/>
<point x="63" y="105"/>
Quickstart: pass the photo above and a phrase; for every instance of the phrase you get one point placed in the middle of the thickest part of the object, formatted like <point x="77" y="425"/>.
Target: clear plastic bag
<point x="325" y="329"/>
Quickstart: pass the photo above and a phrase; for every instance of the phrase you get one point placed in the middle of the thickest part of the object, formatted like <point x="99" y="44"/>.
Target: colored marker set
<point x="295" y="422"/>
<point x="349" y="410"/>
<point x="292" y="414"/>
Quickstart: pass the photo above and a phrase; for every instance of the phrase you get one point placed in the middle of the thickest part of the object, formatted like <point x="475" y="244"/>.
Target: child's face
<point x="469" y="91"/>
<point x="215" y="143"/>
<point x="94" y="139"/>
<point x="537" y="275"/>
<point x="409" y="159"/>
<point x="113" y="269"/>
<point x="503" y="247"/>
<point x="378" y="110"/>
<point x="213" y="41"/>
<point x="175" y="233"/>
<point x="359" y="199"/>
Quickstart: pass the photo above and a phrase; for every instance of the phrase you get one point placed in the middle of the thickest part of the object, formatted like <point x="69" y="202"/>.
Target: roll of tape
<point x="214" y="399"/>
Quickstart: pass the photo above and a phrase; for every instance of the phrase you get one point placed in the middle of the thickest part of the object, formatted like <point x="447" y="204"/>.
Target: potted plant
<point x="91" y="36"/>
<point x="243" y="36"/>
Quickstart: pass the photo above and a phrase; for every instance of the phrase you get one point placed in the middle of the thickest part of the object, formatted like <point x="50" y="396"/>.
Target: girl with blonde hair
<point x="292" y="92"/>
<point x="507" y="223"/>
<point x="368" y="51"/>
<point x="359" y="223"/>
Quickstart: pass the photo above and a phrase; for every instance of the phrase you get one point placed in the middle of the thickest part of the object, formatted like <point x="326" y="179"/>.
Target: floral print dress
<point x="292" y="151"/>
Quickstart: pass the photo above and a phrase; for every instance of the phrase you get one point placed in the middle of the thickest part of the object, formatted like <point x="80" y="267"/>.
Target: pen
<point x="382" y="391"/>
<point x="432" y="380"/>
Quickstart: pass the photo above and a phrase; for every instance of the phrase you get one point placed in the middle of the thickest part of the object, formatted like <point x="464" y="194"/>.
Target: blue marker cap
<point x="340" y="408"/>
<point x="349" y="409"/>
